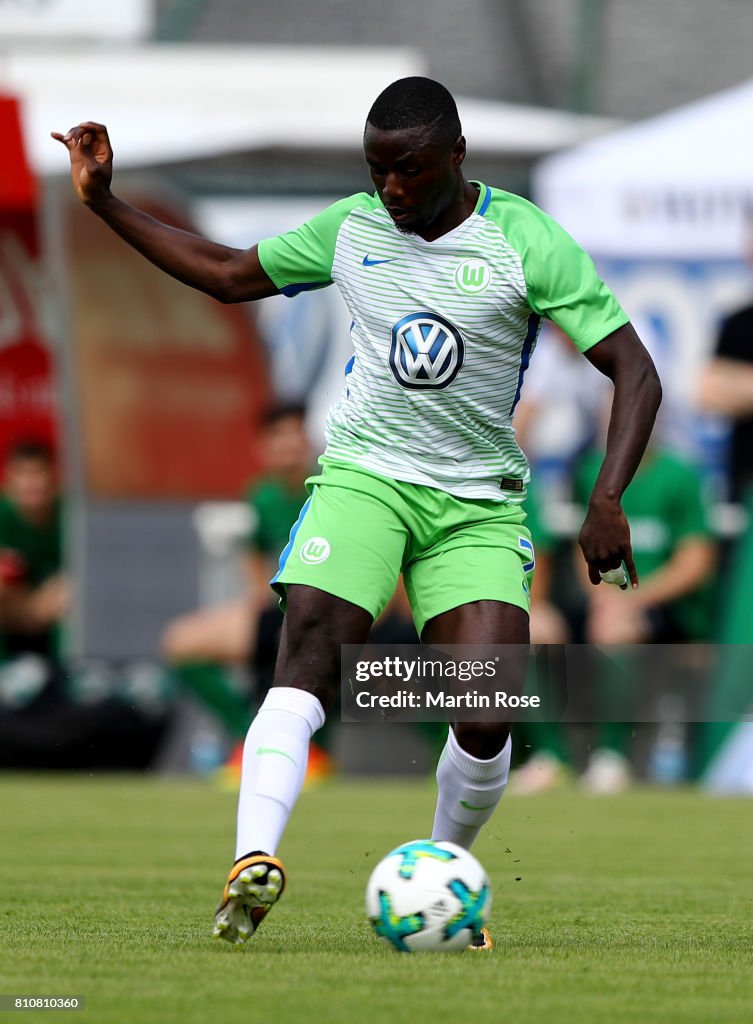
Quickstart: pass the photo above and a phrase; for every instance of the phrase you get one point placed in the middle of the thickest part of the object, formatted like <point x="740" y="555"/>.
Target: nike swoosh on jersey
<point x="374" y="263"/>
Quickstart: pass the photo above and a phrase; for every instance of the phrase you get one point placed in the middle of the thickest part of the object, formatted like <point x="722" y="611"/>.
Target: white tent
<point x="680" y="184"/>
<point x="172" y="103"/>
<point x="664" y="208"/>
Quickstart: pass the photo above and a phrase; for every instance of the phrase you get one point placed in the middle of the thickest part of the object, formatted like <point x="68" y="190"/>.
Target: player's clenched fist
<point x="90" y="151"/>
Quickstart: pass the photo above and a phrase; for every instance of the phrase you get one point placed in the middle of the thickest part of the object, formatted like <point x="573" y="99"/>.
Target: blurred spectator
<point x="675" y="556"/>
<point x="548" y="623"/>
<point x="546" y="768"/>
<point x="726" y="388"/>
<point x="43" y="724"/>
<point x="674" y="553"/>
<point x="202" y="645"/>
<point x="34" y="591"/>
<point x="275" y="502"/>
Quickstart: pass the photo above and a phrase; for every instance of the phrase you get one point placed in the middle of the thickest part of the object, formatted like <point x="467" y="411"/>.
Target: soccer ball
<point x="428" y="896"/>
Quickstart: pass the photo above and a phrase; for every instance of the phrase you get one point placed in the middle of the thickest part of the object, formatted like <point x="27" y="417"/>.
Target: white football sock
<point x="275" y="756"/>
<point x="469" y="791"/>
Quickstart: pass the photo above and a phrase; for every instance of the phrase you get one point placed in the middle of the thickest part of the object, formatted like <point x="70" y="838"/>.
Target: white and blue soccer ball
<point x="428" y="895"/>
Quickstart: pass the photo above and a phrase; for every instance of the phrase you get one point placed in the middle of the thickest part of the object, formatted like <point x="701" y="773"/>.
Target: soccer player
<point x="446" y="281"/>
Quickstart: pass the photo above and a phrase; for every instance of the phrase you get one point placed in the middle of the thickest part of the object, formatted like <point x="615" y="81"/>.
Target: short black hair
<point x="284" y="411"/>
<point x="30" y="448"/>
<point x="417" y="103"/>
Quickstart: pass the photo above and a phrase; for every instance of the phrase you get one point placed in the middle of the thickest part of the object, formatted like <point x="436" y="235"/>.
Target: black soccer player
<point x="446" y="281"/>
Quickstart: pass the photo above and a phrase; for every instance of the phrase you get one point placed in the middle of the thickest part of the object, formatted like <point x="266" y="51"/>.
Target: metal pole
<point x="179" y="21"/>
<point x="55" y="200"/>
<point x="589" y="23"/>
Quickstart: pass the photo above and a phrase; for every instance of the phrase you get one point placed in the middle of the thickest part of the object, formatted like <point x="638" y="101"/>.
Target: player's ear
<point x="458" y="150"/>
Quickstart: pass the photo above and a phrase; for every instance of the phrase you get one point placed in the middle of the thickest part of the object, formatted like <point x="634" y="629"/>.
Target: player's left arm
<point x="562" y="285"/>
<point x="605" y="536"/>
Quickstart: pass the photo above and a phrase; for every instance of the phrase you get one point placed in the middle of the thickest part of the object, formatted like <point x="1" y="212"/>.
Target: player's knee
<point x="309" y="658"/>
<point x="314" y="668"/>
<point x="316" y="625"/>
<point x="483" y="740"/>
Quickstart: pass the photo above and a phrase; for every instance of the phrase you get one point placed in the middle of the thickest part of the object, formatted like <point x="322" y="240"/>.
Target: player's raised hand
<point x="90" y="152"/>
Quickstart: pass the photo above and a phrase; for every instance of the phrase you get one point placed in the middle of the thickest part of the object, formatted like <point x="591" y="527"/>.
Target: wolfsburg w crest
<point x="427" y="352"/>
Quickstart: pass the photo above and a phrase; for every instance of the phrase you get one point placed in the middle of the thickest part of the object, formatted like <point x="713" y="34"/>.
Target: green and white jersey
<point x="442" y="332"/>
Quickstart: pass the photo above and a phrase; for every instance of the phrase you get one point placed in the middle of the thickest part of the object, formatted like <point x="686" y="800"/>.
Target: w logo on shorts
<point x="427" y="352"/>
<point x="315" y="550"/>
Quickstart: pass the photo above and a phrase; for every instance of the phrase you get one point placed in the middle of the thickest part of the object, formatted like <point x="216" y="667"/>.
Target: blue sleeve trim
<point x="291" y="290"/>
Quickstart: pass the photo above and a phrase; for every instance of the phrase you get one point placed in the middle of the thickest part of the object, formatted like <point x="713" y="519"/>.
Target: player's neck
<point x="459" y="210"/>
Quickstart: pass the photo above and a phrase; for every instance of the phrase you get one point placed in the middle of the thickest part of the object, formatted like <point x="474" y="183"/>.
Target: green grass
<point x="636" y="908"/>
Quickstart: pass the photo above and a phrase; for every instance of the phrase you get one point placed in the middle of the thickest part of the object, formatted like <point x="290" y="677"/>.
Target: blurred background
<point x="154" y="443"/>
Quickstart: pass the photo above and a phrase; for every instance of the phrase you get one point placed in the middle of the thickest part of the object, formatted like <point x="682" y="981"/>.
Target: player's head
<point x="30" y="478"/>
<point x="414" y="147"/>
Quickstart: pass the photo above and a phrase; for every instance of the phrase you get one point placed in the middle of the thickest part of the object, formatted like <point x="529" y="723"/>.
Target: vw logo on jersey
<point x="427" y="352"/>
<point x="473" y="276"/>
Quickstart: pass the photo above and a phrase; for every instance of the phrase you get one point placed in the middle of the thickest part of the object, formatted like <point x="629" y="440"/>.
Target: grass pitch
<point x="635" y="908"/>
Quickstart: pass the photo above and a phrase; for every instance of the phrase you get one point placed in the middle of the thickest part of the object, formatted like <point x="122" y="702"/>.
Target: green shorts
<point x="358" y="531"/>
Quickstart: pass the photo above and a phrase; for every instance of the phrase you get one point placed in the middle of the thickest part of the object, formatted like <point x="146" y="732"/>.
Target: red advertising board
<point x="27" y="392"/>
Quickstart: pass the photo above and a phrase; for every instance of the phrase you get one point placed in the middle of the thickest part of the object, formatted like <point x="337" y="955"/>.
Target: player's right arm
<point x="225" y="273"/>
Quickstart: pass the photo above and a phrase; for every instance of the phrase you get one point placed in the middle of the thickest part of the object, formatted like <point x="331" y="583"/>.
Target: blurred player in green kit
<point x="34" y="592"/>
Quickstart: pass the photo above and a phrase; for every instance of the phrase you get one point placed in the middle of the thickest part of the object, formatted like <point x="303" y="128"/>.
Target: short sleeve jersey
<point x="442" y="332"/>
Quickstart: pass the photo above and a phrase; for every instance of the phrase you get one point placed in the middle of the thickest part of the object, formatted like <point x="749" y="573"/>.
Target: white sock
<point x="275" y="756"/>
<point x="469" y="791"/>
